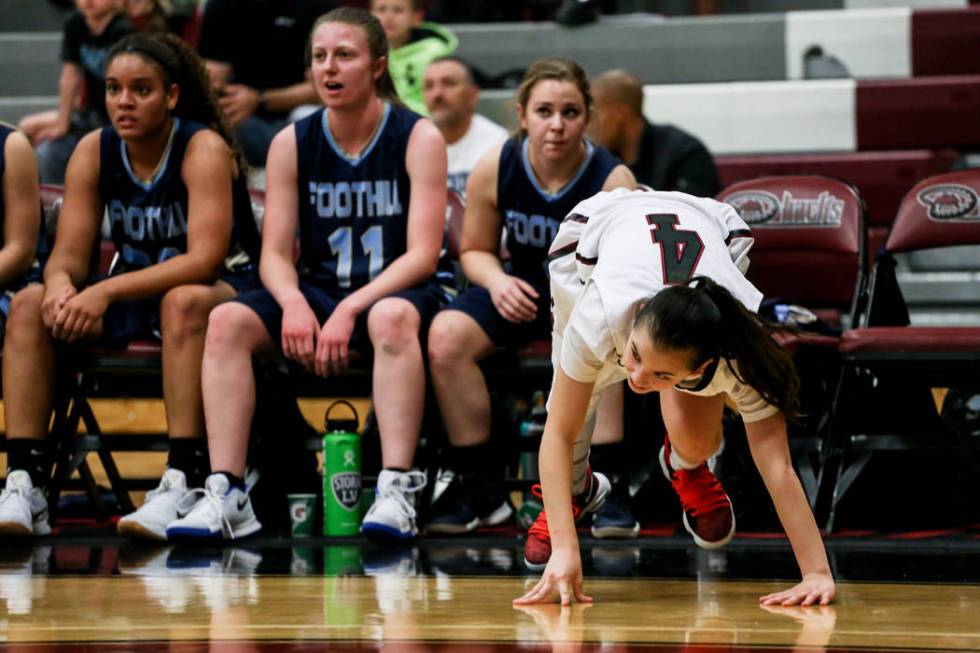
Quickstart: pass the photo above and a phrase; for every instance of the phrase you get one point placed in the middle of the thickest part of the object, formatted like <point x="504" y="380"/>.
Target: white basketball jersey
<point x="618" y="248"/>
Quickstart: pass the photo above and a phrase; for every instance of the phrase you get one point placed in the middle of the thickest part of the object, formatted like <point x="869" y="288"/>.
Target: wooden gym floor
<point x="87" y="590"/>
<point x="89" y="593"/>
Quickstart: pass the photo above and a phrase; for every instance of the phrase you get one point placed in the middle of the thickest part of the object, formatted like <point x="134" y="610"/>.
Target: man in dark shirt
<point x="255" y="52"/>
<point x="660" y="156"/>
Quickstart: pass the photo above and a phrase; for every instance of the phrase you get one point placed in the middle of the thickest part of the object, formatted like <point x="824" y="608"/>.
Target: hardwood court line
<point x="184" y="607"/>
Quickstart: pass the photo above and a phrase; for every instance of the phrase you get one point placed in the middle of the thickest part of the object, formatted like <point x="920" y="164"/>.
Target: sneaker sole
<point x="16" y="529"/>
<point x="497" y="517"/>
<point x="705" y="544"/>
<point x="201" y="535"/>
<point x="139" y="531"/>
<point x="382" y="533"/>
<point x="616" y="532"/>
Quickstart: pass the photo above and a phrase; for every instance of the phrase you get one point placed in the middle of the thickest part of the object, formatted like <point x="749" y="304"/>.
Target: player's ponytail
<point x="180" y="65"/>
<point x="707" y="319"/>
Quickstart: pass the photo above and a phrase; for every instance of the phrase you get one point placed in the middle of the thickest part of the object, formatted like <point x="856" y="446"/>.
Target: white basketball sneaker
<point x="161" y="506"/>
<point x="392" y="515"/>
<point x="23" y="507"/>
<point x="223" y="513"/>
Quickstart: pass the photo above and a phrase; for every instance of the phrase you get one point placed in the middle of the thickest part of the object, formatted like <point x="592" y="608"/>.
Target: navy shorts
<point x="475" y="301"/>
<point x="124" y="321"/>
<point x="427" y="298"/>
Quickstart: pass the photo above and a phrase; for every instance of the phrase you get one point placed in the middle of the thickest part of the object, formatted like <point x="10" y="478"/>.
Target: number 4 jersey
<point x="620" y="247"/>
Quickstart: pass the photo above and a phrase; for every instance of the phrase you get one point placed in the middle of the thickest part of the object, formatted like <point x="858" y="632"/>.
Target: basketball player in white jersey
<point x="649" y="287"/>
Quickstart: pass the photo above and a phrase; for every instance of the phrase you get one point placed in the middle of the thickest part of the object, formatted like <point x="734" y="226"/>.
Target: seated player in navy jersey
<point x="174" y="188"/>
<point x="529" y="184"/>
<point x="364" y="183"/>
<point x="20" y="216"/>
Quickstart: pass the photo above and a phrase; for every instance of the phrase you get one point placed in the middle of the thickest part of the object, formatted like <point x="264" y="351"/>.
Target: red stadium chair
<point x="889" y="364"/>
<point x="809" y="250"/>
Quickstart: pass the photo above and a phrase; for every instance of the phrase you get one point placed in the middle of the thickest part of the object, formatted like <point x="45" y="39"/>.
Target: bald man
<point x="450" y="95"/>
<point x="660" y="156"/>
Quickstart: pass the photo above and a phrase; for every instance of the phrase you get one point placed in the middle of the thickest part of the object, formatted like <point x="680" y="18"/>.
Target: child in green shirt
<point x="412" y="45"/>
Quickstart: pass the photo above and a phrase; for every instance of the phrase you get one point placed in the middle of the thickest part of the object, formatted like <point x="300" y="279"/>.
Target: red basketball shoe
<point x="537" y="548"/>
<point x="708" y="514"/>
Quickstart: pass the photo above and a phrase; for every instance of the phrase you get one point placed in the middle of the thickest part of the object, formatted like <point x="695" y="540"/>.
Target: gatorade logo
<point x="298" y="511"/>
<point x="346" y="489"/>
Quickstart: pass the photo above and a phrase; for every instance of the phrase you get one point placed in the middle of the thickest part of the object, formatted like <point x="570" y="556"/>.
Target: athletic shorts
<point x="124" y="321"/>
<point x="427" y="298"/>
<point x="475" y="301"/>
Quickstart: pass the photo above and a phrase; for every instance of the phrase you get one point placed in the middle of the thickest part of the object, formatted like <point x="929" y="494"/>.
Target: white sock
<point x="677" y="462"/>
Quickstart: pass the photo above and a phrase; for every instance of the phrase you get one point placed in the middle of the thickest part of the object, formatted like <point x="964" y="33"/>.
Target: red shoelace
<point x="539" y="528"/>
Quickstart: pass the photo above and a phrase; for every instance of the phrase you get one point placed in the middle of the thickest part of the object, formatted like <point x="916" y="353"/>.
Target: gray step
<point x="12" y="109"/>
<point x="657" y="50"/>
<point x="29" y="63"/>
<point x="941" y="289"/>
<point x="31" y="16"/>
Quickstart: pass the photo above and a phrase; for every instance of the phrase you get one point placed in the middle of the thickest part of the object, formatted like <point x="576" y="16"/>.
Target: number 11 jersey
<point x="353" y="216"/>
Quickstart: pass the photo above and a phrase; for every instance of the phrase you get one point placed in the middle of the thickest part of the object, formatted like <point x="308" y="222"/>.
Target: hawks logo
<point x="346" y="489"/>
<point x="949" y="202"/>
<point x="755" y="206"/>
<point x="760" y="208"/>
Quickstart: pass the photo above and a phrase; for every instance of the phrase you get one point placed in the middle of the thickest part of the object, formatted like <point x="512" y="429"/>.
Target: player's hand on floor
<point x="563" y="576"/>
<point x="814" y="589"/>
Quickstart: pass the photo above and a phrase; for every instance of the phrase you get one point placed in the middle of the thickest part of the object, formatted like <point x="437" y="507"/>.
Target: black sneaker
<point x="468" y="503"/>
<point x="614" y="518"/>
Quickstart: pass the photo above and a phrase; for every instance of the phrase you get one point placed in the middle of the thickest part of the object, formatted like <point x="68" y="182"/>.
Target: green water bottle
<point x="341" y="473"/>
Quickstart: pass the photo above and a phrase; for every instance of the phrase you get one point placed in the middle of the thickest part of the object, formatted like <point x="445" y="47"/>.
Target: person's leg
<point x="28" y="383"/>
<point x="475" y="495"/>
<point x="589" y="493"/>
<point x="183" y="323"/>
<point x="694" y="434"/>
<point x="457" y="344"/>
<point x="398" y="395"/>
<point x="236" y="331"/>
<point x="235" y="334"/>
<point x="608" y="457"/>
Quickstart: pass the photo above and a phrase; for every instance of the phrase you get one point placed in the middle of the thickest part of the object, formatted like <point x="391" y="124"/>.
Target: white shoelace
<point x="210" y="505"/>
<point x="9" y="492"/>
<point x="399" y="493"/>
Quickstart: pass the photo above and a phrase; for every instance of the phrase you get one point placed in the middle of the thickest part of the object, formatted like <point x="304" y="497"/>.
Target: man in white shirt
<point x="451" y="96"/>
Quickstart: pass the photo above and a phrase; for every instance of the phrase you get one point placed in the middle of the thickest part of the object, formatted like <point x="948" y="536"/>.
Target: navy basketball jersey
<point x="353" y="216"/>
<point x="532" y="214"/>
<point x="148" y="219"/>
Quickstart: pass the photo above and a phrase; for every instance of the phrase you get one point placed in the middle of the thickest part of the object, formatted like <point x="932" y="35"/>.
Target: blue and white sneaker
<point x="222" y="513"/>
<point x="392" y="515"/>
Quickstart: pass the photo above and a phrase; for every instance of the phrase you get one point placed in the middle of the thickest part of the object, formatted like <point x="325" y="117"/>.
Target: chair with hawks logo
<point x="808" y="260"/>
<point x="890" y="368"/>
